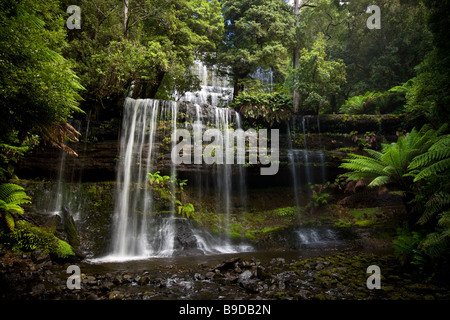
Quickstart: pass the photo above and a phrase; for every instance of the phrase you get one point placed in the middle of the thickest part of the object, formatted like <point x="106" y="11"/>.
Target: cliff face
<point x="97" y="151"/>
<point x="98" y="148"/>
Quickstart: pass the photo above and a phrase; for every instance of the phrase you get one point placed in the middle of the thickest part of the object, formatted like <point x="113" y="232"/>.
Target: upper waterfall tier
<point x="215" y="90"/>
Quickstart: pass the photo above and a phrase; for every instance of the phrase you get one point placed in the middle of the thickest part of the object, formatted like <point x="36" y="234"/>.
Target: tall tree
<point x="429" y="98"/>
<point x="376" y="59"/>
<point x="38" y="89"/>
<point x="316" y="78"/>
<point x="257" y="34"/>
<point x="140" y="44"/>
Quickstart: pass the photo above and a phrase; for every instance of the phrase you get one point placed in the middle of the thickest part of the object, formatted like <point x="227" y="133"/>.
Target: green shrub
<point x="265" y="107"/>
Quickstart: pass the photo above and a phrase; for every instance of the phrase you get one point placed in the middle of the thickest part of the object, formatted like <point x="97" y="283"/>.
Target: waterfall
<point x="307" y="166"/>
<point x="215" y="90"/>
<point x="310" y="159"/>
<point x="62" y="196"/>
<point x="291" y="158"/>
<point x="137" y="155"/>
<point x="139" y="231"/>
<point x="264" y="77"/>
<point x="313" y="237"/>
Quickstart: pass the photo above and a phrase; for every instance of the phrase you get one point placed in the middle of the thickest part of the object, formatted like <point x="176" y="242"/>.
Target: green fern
<point x="433" y="162"/>
<point x="390" y="166"/>
<point x="185" y="210"/>
<point x="12" y="197"/>
<point x="435" y="205"/>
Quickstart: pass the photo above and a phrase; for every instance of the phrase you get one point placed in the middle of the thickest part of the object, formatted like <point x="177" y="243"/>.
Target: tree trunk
<point x="296" y="57"/>
<point x="125" y="18"/>
<point x="154" y="88"/>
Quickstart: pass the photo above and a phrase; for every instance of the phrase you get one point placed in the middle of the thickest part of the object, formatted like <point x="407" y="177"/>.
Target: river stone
<point x="116" y="295"/>
<point x="245" y="276"/>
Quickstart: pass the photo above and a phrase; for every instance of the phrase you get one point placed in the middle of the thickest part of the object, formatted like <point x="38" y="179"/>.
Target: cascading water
<point x="62" y="196"/>
<point x="309" y="159"/>
<point x="316" y="237"/>
<point x="215" y="90"/>
<point x="264" y="77"/>
<point x="138" y="231"/>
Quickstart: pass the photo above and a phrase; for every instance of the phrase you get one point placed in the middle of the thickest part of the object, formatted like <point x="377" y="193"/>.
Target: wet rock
<point x="92" y="296"/>
<point x="116" y="295"/>
<point x="38" y="289"/>
<point x="106" y="286"/>
<point x="126" y="278"/>
<point x="198" y="277"/>
<point x="210" y="274"/>
<point x="245" y="276"/>
<point x="278" y="261"/>
<point x="144" y="280"/>
<point x="185" y="238"/>
<point x="91" y="280"/>
<point x="159" y="282"/>
<point x="229" y="264"/>
<point x="251" y="286"/>
<point x="38" y="257"/>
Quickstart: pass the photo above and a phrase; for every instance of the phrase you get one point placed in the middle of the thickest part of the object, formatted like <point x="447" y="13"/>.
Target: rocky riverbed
<point x="289" y="275"/>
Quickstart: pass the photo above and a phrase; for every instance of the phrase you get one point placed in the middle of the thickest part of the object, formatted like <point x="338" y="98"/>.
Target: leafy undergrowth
<point x="28" y="238"/>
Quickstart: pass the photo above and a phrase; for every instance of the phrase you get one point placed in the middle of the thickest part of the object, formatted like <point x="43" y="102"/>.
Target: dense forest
<point x="63" y="60"/>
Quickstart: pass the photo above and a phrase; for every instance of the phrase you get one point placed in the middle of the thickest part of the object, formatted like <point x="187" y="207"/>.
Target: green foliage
<point x="155" y="179"/>
<point x="265" y="107"/>
<point x="431" y="171"/>
<point x="287" y="211"/>
<point x="63" y="249"/>
<point x="150" y="46"/>
<point x="12" y="197"/>
<point x="417" y="164"/>
<point x="172" y="187"/>
<point x="316" y="78"/>
<point x="376" y="61"/>
<point x="391" y="101"/>
<point x="185" y="210"/>
<point x="390" y="166"/>
<point x="319" y="197"/>
<point x="257" y="34"/>
<point x="434" y="162"/>
<point x="38" y="87"/>
<point x="359" y="104"/>
<point x="406" y="246"/>
<point x="430" y="96"/>
<point x="12" y="151"/>
<point x="27" y="237"/>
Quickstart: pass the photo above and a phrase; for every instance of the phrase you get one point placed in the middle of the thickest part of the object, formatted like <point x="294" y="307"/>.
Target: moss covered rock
<point x="27" y="237"/>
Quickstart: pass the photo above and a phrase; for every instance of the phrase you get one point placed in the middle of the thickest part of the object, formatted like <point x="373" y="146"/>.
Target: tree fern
<point x="435" y="161"/>
<point x="436" y="203"/>
<point x="12" y="197"/>
<point x="391" y="165"/>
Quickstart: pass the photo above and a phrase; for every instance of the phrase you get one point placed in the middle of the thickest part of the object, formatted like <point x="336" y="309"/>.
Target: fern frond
<point x="438" y="151"/>
<point x="444" y="221"/>
<point x="379" y="181"/>
<point x="435" y="243"/>
<point x="12" y="196"/>
<point x="375" y="154"/>
<point x="434" y="205"/>
<point x="434" y="169"/>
